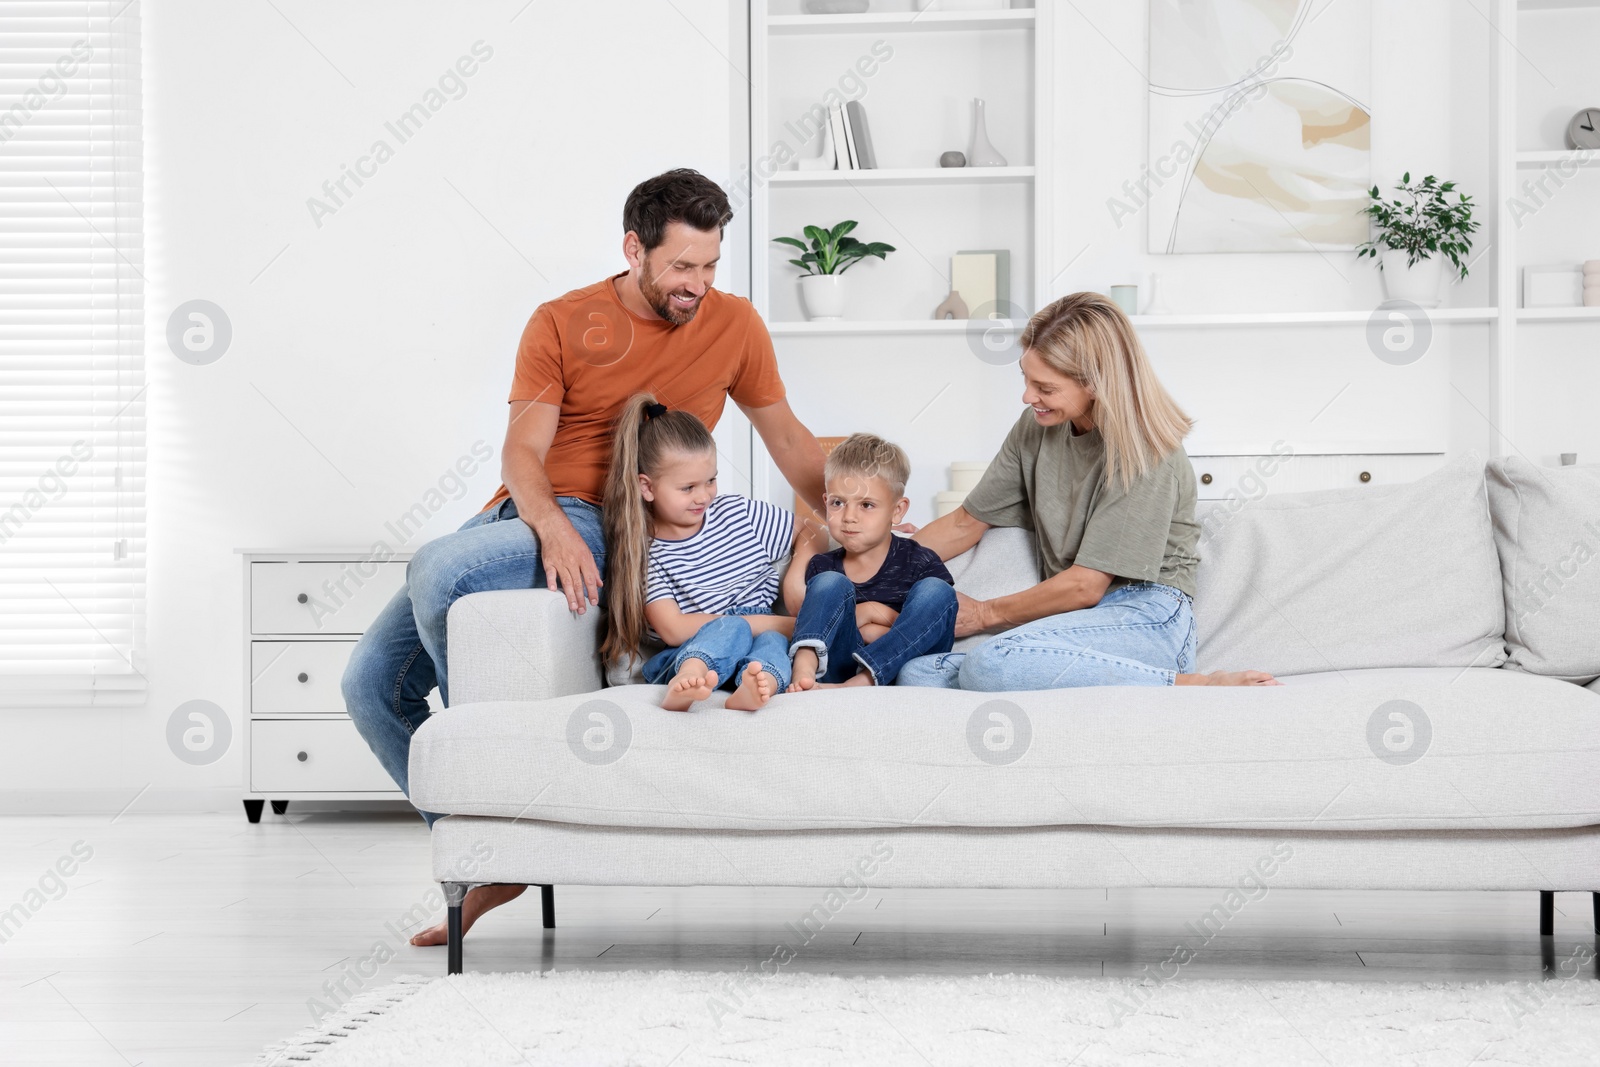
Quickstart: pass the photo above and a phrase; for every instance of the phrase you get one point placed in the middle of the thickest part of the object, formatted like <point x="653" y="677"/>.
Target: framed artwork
<point x="1260" y="125"/>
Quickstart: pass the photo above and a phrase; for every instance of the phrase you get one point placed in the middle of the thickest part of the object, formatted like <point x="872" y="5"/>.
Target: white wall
<point x="374" y="350"/>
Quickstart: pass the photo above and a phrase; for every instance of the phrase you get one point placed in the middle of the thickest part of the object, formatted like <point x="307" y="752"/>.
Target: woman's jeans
<point x="1139" y="634"/>
<point x="401" y="657"/>
<point x="727" y="646"/>
<point x="827" y="625"/>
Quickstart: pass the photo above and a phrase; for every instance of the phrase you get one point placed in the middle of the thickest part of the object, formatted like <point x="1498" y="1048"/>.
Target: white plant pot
<point x="823" y="296"/>
<point x="1419" y="284"/>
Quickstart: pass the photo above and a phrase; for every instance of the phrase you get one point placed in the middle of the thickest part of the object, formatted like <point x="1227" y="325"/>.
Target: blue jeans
<point x="827" y="625"/>
<point x="401" y="657"/>
<point x="1139" y="634"/>
<point x="727" y="646"/>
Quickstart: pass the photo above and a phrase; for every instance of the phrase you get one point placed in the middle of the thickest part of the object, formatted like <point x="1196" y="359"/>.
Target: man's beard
<point x="661" y="302"/>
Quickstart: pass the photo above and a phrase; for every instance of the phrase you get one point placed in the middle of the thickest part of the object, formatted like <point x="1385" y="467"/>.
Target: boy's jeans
<point x="727" y="646"/>
<point x="827" y="624"/>
<point x="1139" y="634"/>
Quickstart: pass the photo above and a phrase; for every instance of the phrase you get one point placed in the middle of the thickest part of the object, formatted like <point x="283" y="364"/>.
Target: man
<point x="658" y="327"/>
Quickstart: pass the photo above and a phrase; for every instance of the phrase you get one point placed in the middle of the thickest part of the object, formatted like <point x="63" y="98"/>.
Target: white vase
<point x="1419" y="283"/>
<point x="982" y="153"/>
<point x="823" y="296"/>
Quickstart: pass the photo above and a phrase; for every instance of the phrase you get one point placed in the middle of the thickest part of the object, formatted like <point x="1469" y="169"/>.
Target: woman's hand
<point x="972" y="616"/>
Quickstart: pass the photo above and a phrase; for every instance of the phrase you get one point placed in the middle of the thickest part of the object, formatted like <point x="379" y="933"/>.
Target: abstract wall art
<point x="1260" y="125"/>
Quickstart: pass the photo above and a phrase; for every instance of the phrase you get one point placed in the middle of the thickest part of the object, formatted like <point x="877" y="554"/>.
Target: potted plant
<point x="1414" y="236"/>
<point x="824" y="261"/>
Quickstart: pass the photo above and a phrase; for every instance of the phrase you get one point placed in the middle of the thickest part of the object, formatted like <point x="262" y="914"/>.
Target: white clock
<point x="1581" y="131"/>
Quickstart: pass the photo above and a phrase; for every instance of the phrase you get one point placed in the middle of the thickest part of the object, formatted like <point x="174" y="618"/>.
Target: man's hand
<point x="972" y="616"/>
<point x="569" y="566"/>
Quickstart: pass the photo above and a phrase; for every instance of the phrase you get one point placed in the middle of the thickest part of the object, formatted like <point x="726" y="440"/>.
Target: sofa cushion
<point x="1001" y="563"/>
<point x="1355" y="579"/>
<point x="1547" y="530"/>
<point x="1498" y="749"/>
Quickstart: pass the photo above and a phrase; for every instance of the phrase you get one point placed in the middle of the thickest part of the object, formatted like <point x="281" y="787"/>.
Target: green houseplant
<point x="823" y="262"/>
<point x="1415" y="233"/>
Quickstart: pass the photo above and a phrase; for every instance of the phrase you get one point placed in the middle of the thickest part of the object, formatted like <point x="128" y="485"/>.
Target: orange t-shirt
<point x="587" y="354"/>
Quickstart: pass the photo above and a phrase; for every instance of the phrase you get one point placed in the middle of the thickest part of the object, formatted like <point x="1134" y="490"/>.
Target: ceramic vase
<point x="1419" y="283"/>
<point x="823" y="296"/>
<point x="982" y="153"/>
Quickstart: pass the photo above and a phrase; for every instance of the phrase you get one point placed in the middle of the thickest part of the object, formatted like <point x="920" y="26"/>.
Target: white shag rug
<point x="684" y="1019"/>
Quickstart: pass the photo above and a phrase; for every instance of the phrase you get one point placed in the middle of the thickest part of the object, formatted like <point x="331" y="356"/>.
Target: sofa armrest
<point x="521" y="644"/>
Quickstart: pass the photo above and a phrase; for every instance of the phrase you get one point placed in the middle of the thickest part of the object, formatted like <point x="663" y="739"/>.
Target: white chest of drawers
<point x="1251" y="477"/>
<point x="303" y="612"/>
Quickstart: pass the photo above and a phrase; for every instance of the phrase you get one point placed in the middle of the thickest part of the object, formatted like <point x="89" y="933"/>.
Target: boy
<point x="879" y="601"/>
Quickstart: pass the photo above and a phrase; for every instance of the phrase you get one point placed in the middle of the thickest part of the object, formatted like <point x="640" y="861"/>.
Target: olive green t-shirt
<point x="1051" y="480"/>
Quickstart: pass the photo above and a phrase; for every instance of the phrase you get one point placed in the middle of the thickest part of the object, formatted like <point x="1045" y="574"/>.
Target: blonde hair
<point x="870" y="456"/>
<point x="1087" y="338"/>
<point x="644" y="435"/>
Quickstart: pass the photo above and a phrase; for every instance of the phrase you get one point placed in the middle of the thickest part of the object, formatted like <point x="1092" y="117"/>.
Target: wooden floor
<point x="199" y="939"/>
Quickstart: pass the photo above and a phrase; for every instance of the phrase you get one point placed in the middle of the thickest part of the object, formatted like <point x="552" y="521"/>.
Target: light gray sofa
<point x="1418" y="743"/>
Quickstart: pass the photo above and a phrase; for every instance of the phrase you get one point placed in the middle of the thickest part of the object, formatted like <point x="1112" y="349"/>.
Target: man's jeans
<point x="401" y="657"/>
<point x="1139" y="634"/>
<point x="827" y="625"/>
<point x="727" y="646"/>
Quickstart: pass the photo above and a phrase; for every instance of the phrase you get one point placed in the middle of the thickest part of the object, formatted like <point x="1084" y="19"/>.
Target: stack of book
<point x="852" y="142"/>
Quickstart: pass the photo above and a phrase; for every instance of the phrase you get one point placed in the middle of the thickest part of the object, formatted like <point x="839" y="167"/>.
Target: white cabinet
<point x="1253" y="477"/>
<point x="303" y="613"/>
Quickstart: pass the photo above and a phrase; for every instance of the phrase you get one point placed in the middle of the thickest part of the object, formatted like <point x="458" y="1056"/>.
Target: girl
<point x="693" y="568"/>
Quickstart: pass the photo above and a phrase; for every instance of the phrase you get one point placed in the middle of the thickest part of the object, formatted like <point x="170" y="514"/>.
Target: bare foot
<point x="857" y="679"/>
<point x="479" y="900"/>
<point x="1229" y="678"/>
<point x="804" y="675"/>
<point x="755" y="689"/>
<point x="695" y="681"/>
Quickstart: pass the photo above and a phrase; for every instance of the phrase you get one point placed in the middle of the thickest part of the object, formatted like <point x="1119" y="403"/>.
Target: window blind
<point x="72" y="395"/>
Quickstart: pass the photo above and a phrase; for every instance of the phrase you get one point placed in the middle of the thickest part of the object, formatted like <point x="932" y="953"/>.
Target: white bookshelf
<point x="902" y="22"/>
<point x="1556" y="158"/>
<point x="1514" y="157"/>
<point x="906" y="176"/>
<point x="918" y="105"/>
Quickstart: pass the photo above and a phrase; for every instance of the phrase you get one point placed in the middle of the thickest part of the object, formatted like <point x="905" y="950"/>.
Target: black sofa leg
<point x="252" y="809"/>
<point x="279" y="807"/>
<point x="454" y="894"/>
<point x="547" y="898"/>
<point x="1547" y="913"/>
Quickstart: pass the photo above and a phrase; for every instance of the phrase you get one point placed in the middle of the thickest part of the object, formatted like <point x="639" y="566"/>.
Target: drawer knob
<point x="1366" y="476"/>
<point x="303" y="676"/>
<point x="1205" y="479"/>
<point x="302" y="598"/>
<point x="301" y="756"/>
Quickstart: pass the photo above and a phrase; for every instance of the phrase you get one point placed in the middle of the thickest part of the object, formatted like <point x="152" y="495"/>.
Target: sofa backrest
<point x="1003" y="562"/>
<point x="1349" y="579"/>
<point x="1547" y="531"/>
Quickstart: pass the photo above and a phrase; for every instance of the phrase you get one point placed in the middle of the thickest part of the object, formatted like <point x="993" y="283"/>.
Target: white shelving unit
<point x="918" y="105"/>
<point x="902" y="22"/>
<point x="1512" y="163"/>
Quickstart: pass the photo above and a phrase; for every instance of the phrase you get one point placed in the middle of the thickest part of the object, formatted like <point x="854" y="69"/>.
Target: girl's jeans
<point x="827" y="625"/>
<point x="727" y="646"/>
<point x="1139" y="634"/>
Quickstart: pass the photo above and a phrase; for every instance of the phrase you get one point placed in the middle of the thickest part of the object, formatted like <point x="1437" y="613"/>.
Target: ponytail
<point x="645" y="433"/>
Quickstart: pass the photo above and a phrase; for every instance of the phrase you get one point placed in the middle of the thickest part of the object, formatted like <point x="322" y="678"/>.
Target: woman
<point x="1096" y="469"/>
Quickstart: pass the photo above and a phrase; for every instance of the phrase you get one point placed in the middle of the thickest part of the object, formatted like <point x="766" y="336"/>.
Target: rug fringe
<point x="343" y="1021"/>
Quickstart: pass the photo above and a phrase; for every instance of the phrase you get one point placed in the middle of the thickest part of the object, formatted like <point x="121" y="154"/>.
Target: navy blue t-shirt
<point x="906" y="564"/>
